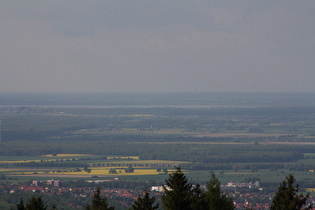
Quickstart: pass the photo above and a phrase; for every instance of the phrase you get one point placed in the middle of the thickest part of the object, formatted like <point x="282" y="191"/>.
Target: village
<point x="245" y="195"/>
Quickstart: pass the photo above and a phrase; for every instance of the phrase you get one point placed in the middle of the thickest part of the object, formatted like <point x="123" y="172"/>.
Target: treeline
<point x="196" y="153"/>
<point x="61" y="202"/>
<point x="123" y="184"/>
<point x="254" y="167"/>
<point x="257" y="156"/>
<point x="34" y="123"/>
<point x="44" y="164"/>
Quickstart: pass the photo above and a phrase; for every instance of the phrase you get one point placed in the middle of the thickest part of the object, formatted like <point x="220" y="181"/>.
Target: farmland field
<point x="117" y="163"/>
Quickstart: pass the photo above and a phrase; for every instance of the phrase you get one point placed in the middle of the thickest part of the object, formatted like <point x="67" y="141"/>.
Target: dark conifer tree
<point x="287" y="197"/>
<point x="35" y="203"/>
<point x="215" y="198"/>
<point x="177" y="192"/>
<point x="20" y="205"/>
<point x="199" y="200"/>
<point x="99" y="203"/>
<point x="145" y="203"/>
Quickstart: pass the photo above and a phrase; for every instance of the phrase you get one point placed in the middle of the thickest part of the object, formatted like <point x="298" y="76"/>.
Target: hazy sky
<point x="157" y="46"/>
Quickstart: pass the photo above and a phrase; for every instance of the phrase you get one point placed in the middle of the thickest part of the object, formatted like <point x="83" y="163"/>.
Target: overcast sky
<point x="157" y="46"/>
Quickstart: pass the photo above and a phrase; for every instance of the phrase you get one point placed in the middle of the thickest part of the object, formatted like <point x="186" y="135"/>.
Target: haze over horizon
<point x="157" y="46"/>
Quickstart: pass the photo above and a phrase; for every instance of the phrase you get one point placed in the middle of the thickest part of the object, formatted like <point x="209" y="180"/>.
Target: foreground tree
<point x="177" y="192"/>
<point x="99" y="203"/>
<point x="287" y="197"/>
<point x="20" y="205"/>
<point x="198" y="198"/>
<point x="35" y="203"/>
<point x="215" y="198"/>
<point x="145" y="203"/>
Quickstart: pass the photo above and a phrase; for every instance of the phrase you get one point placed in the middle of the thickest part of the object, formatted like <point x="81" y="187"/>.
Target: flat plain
<point x="237" y="136"/>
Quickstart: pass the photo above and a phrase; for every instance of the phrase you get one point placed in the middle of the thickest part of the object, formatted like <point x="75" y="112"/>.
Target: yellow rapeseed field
<point x="99" y="171"/>
<point x="120" y="163"/>
<point x="95" y="171"/>
<point x="149" y="162"/>
<point x="19" y="161"/>
<point x="66" y="155"/>
<point x="125" y="157"/>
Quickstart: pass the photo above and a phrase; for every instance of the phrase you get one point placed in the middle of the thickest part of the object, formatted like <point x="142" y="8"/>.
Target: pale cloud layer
<point x="157" y="46"/>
